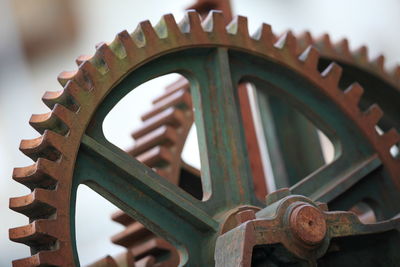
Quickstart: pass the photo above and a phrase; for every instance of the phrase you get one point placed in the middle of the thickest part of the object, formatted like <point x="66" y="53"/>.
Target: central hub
<point x="307" y="224"/>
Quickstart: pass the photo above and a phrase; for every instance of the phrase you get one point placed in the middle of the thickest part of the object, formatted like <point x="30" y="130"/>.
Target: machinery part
<point x="305" y="229"/>
<point x="380" y="85"/>
<point x="175" y="170"/>
<point x="164" y="156"/>
<point x="356" y="67"/>
<point x="73" y="149"/>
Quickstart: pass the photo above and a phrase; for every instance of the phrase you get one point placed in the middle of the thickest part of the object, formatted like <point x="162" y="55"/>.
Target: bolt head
<point x="308" y="224"/>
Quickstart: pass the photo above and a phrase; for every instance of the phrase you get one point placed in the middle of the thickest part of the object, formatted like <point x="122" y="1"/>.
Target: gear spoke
<point x="215" y="59"/>
<point x="220" y="132"/>
<point x="132" y="187"/>
<point x="332" y="180"/>
<point x="288" y="134"/>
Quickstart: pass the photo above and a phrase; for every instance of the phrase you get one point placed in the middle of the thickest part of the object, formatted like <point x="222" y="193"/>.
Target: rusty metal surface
<point x="303" y="227"/>
<point x="64" y="127"/>
<point x="381" y="85"/>
<point x="177" y="115"/>
<point x="339" y="52"/>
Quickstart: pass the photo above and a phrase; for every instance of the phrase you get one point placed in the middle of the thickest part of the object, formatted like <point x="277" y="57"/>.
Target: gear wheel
<point x="72" y="137"/>
<point x="381" y="85"/>
<point x="356" y="67"/>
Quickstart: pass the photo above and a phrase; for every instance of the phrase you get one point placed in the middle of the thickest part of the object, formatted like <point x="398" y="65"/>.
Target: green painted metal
<point x="294" y="140"/>
<point x="193" y="225"/>
<point x="354" y="158"/>
<point x="220" y="132"/>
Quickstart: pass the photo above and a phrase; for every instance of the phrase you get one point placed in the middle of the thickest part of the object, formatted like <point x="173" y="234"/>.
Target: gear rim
<point x="90" y="75"/>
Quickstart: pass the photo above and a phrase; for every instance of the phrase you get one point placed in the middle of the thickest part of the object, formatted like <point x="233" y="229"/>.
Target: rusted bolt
<point x="245" y="215"/>
<point x="308" y="224"/>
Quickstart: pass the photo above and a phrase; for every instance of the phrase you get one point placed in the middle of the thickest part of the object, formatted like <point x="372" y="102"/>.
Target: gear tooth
<point x="98" y="45"/>
<point x="379" y="63"/>
<point x="156" y="157"/>
<point x="66" y="116"/>
<point x="310" y="57"/>
<point x="373" y="114"/>
<point x="191" y="22"/>
<point x="238" y="26"/>
<point x="126" y="41"/>
<point x="354" y="93"/>
<point x="65" y="76"/>
<point x="147" y="261"/>
<point x="42" y="174"/>
<point x="33" y="260"/>
<point x="361" y="55"/>
<point x="343" y="47"/>
<point x="38" y="235"/>
<point x="167" y="27"/>
<point x="40" y="121"/>
<point x="28" y="147"/>
<point x="82" y="58"/>
<point x="264" y="35"/>
<point x="107" y="261"/>
<point x="122" y="218"/>
<point x="57" y="120"/>
<point x="332" y="74"/>
<point x="50" y="98"/>
<point x="75" y="93"/>
<point x="88" y="75"/>
<point x="396" y="74"/>
<point x="180" y="84"/>
<point x="118" y="48"/>
<point x="304" y="40"/>
<point x="104" y="58"/>
<point x="162" y="136"/>
<point x="180" y="99"/>
<point x="324" y="43"/>
<point x="61" y="97"/>
<point x="391" y="138"/>
<point x="134" y="231"/>
<point x="47" y="146"/>
<point x="145" y="34"/>
<point x="126" y="259"/>
<point x="43" y="258"/>
<point x="154" y="244"/>
<point x="171" y="117"/>
<point x="214" y="22"/>
<point x="37" y="205"/>
<point x="287" y="42"/>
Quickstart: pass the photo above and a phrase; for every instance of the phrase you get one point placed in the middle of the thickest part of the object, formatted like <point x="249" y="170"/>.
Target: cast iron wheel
<point x="73" y="149"/>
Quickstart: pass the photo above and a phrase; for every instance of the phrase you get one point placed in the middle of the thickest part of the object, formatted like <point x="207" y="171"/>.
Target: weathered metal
<point x="304" y="228"/>
<point x="307" y="224"/>
<point x="73" y="149"/>
<point x="294" y="134"/>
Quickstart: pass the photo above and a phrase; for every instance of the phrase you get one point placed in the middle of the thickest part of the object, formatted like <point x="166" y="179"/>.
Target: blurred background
<point x="41" y="38"/>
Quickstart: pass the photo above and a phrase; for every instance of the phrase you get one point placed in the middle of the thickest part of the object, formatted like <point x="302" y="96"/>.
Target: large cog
<point x="381" y="85"/>
<point x="356" y="67"/>
<point x="49" y="234"/>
